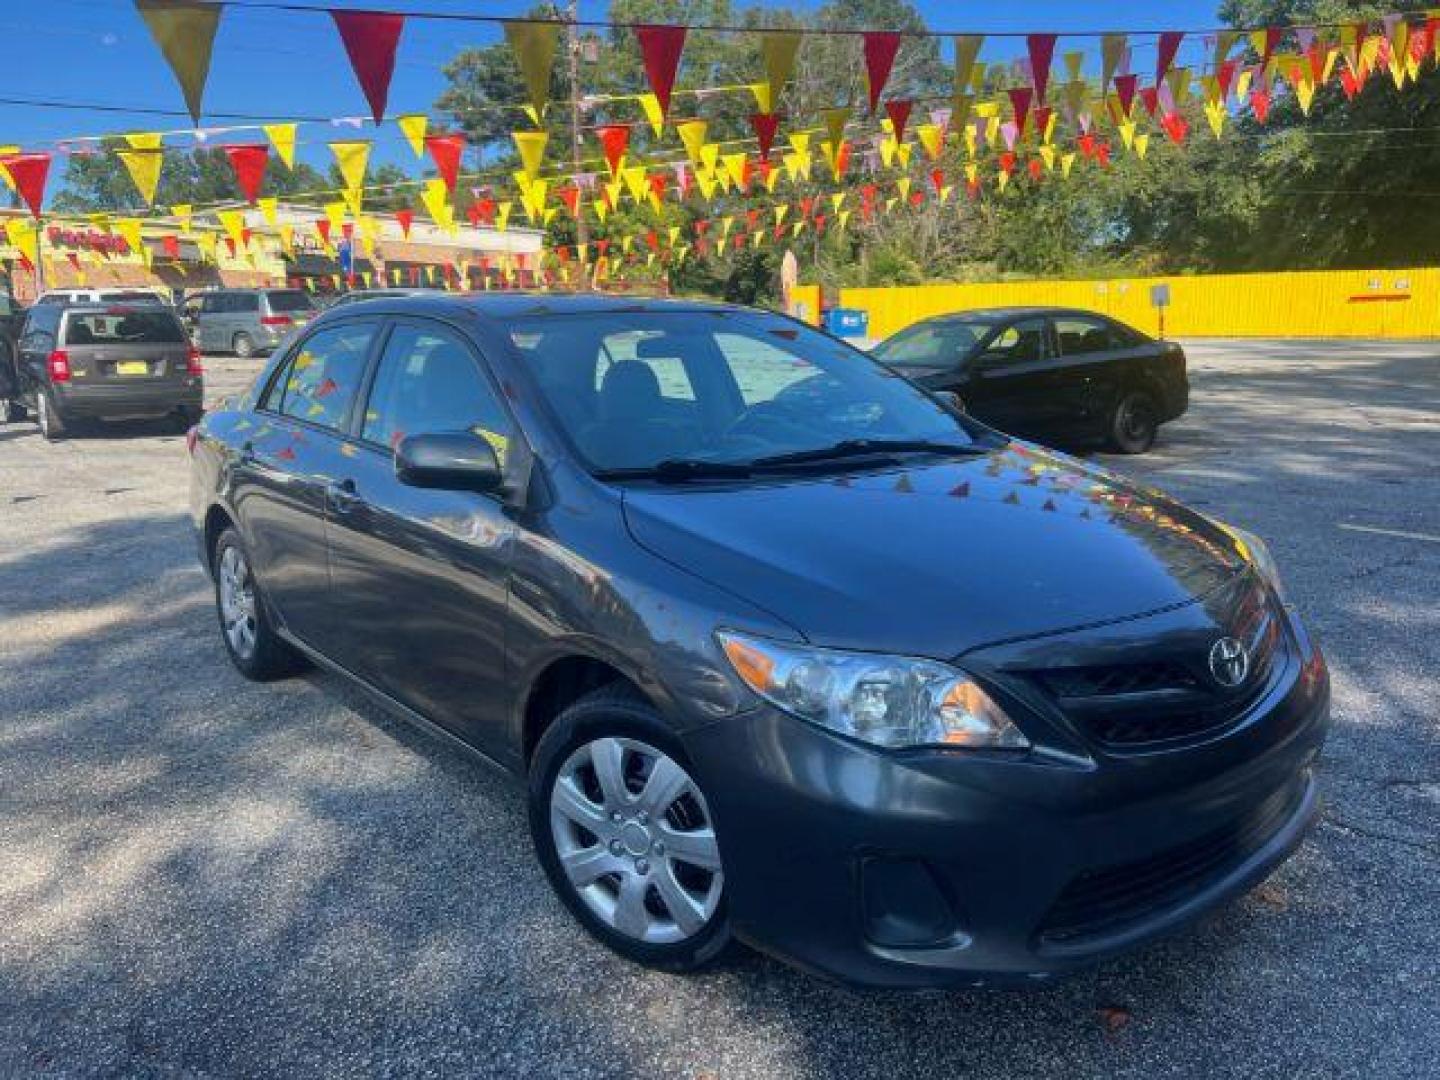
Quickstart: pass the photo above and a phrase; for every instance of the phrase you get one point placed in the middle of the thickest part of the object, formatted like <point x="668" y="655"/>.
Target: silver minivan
<point x="247" y="321"/>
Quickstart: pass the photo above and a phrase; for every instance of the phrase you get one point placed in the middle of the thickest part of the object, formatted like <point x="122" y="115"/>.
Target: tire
<point x="638" y="879"/>
<point x="52" y="425"/>
<point x="15" y="412"/>
<point x="244" y="346"/>
<point x="1134" y="422"/>
<point x="255" y="648"/>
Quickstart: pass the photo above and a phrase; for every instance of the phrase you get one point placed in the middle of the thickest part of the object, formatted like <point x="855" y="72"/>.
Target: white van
<point x="101" y="296"/>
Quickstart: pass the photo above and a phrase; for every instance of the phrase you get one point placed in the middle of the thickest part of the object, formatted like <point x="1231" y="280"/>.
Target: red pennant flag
<point x="747" y="174"/>
<point x="615" y="140"/>
<point x="29" y="172"/>
<point x="1150" y="98"/>
<point x="1020" y="98"/>
<point x="752" y="218"/>
<point x="406" y="218"/>
<point x="570" y="196"/>
<point x="1175" y="126"/>
<point x="916" y="198"/>
<point x="820" y="224"/>
<point x="937" y="179"/>
<point x="1087" y="144"/>
<point x="972" y="188"/>
<point x="1260" y="104"/>
<point x="230" y="245"/>
<point x="1168" y="46"/>
<point x="652" y="240"/>
<point x="323" y="228"/>
<point x="868" y="193"/>
<point x="660" y="48"/>
<point x="899" y="113"/>
<point x="701" y="224"/>
<point x="370" y="39"/>
<point x="1349" y="83"/>
<point x="1125" y="91"/>
<point x="171" y="244"/>
<point x="1037" y="168"/>
<point x="842" y="159"/>
<point x="445" y="150"/>
<point x="1042" y="51"/>
<point x="1042" y="120"/>
<point x="880" y="49"/>
<point x="603" y="245"/>
<point x="249" y="161"/>
<point x="765" y="125"/>
<point x="487" y="210"/>
<point x="1225" y="76"/>
<point x="347" y="230"/>
<point x="657" y="184"/>
<point x="473" y="213"/>
<point x="1102" y="154"/>
<point x="807" y="204"/>
<point x="1007" y="162"/>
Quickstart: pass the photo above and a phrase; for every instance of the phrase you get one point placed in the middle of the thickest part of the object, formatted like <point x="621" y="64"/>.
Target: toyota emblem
<point x="1229" y="662"/>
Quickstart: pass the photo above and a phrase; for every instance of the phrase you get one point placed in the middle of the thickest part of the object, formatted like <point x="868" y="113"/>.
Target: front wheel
<point x="626" y="835"/>
<point x="1134" y="423"/>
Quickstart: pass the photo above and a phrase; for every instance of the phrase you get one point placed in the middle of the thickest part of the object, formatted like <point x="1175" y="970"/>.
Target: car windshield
<point x="645" y="391"/>
<point x="124" y="328"/>
<point x="289" y="300"/>
<point x="934" y="344"/>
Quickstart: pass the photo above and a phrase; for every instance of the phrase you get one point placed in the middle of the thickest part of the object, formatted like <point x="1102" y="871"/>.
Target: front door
<point x="287" y="462"/>
<point x="419" y="577"/>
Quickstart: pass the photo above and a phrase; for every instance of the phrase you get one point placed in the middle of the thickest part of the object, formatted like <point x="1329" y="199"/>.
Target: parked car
<point x="106" y="362"/>
<point x="785" y="649"/>
<point x="1052" y="374"/>
<point x="248" y="321"/>
<point x="101" y="296"/>
<point x="12" y="316"/>
<point x="354" y="296"/>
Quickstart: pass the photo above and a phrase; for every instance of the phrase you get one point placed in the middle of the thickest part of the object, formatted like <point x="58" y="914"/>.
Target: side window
<point x="244" y="302"/>
<point x="659" y="352"/>
<point x="321" y="381"/>
<point x="1016" y="344"/>
<point x="40" y="326"/>
<point x="428" y="380"/>
<point x="213" y="305"/>
<point x="1078" y="335"/>
<point x="761" y="370"/>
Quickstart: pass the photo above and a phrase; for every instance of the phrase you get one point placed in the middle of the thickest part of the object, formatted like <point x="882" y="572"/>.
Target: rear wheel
<point x="626" y="835"/>
<point x="244" y="346"/>
<point x="245" y="625"/>
<point x="14" y="412"/>
<point x="52" y="427"/>
<point x="1134" y="423"/>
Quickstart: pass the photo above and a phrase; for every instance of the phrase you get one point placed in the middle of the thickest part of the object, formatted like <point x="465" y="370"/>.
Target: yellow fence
<point x="1340" y="303"/>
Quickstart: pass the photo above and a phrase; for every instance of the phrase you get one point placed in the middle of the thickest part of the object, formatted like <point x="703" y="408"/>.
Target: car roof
<point x="114" y="307"/>
<point x="503" y="307"/>
<point x="1013" y="312"/>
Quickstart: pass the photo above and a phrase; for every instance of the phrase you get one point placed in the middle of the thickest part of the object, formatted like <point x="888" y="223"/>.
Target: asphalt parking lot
<point x="199" y="876"/>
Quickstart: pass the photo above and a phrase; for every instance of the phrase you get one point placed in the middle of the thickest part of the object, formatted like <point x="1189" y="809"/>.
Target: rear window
<point x="289" y="300"/>
<point x="124" y="328"/>
<point x="129" y="298"/>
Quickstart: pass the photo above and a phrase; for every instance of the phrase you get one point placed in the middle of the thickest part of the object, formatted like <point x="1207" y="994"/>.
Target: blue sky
<point x="282" y="64"/>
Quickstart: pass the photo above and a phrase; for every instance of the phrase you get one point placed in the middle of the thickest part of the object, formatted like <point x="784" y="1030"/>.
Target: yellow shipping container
<point x="1335" y="303"/>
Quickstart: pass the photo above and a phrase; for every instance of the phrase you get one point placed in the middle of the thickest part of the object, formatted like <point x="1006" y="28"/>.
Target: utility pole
<point x="582" y="230"/>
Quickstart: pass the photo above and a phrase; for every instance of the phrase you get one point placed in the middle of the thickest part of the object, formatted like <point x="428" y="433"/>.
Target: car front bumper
<point x="932" y="869"/>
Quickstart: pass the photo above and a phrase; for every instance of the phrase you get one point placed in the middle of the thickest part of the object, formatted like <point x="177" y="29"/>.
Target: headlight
<point x="1253" y="550"/>
<point x="890" y="701"/>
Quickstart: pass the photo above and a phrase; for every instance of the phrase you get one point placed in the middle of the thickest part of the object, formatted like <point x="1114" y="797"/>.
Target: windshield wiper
<point x="849" y="448"/>
<point x="671" y="470"/>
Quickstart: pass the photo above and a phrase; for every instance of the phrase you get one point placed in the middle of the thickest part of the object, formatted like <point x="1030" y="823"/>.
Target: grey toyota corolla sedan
<point x="785" y="650"/>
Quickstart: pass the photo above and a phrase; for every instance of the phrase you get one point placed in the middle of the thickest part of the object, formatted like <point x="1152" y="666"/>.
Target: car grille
<point x="1107" y="900"/>
<point x="1169" y="701"/>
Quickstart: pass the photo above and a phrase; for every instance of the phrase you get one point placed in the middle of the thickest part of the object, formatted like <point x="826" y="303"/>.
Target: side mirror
<point x="448" y="460"/>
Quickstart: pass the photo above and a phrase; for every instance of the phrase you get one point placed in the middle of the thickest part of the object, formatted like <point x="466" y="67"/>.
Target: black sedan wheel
<point x="625" y="833"/>
<point x="1135" y="423"/>
<point x="245" y="626"/>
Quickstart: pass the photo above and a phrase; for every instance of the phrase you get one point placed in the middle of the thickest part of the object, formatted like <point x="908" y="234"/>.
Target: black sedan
<point x="1053" y="374"/>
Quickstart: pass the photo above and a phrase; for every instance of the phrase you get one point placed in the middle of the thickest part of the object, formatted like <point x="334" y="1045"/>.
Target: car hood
<point x="943" y="557"/>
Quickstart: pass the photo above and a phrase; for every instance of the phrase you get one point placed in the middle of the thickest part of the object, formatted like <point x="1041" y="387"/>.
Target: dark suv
<point x="785" y="649"/>
<point x="106" y="362"/>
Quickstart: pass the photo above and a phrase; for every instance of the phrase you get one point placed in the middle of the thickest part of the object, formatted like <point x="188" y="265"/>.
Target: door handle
<point x="343" y="496"/>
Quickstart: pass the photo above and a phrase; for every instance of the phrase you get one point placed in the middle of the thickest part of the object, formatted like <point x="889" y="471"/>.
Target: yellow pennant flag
<point x="887" y="151"/>
<point x="1127" y="133"/>
<point x="777" y="50"/>
<point x="185" y="32"/>
<point x="837" y="200"/>
<point x="1215" y="114"/>
<point x="890" y="203"/>
<point x="792" y="165"/>
<point x="502" y="215"/>
<point x="335" y="214"/>
<point x="1047" y="155"/>
<point x="902" y="185"/>
<point x="436" y="198"/>
<point x="1002" y="180"/>
<point x="932" y="139"/>
<point x="760" y="91"/>
<point x="142" y="159"/>
<point x="282" y="138"/>
<point x="267" y="209"/>
<point x="772" y="180"/>
<point x="735" y="168"/>
<point x="705" y="178"/>
<point x="1067" y="162"/>
<point x="414" y="126"/>
<point x="710" y="156"/>
<point x="614" y="189"/>
<point x="233" y="222"/>
<point x="831" y="152"/>
<point x="352" y="158"/>
<point x="799" y="142"/>
<point x="184" y="214"/>
<point x="967" y="48"/>
<point x="635" y="182"/>
<point x="534" y="47"/>
<point x="531" y="147"/>
<point x="780" y="212"/>
<point x="1074" y="61"/>
<point x="903" y="151"/>
<point x="205" y="244"/>
<point x="650" y="106"/>
<point x="844" y="218"/>
<point x="602" y="210"/>
<point x="22" y="234"/>
<point x="692" y="135"/>
<point x="287" y="239"/>
<point x="1142" y="144"/>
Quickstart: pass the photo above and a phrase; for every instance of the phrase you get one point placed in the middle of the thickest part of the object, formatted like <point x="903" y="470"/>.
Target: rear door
<point x="290" y="456"/>
<point x="419" y="577"/>
<point x="37" y="342"/>
<point x="1092" y="368"/>
<point x="209" y="323"/>
<point x="139" y="347"/>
